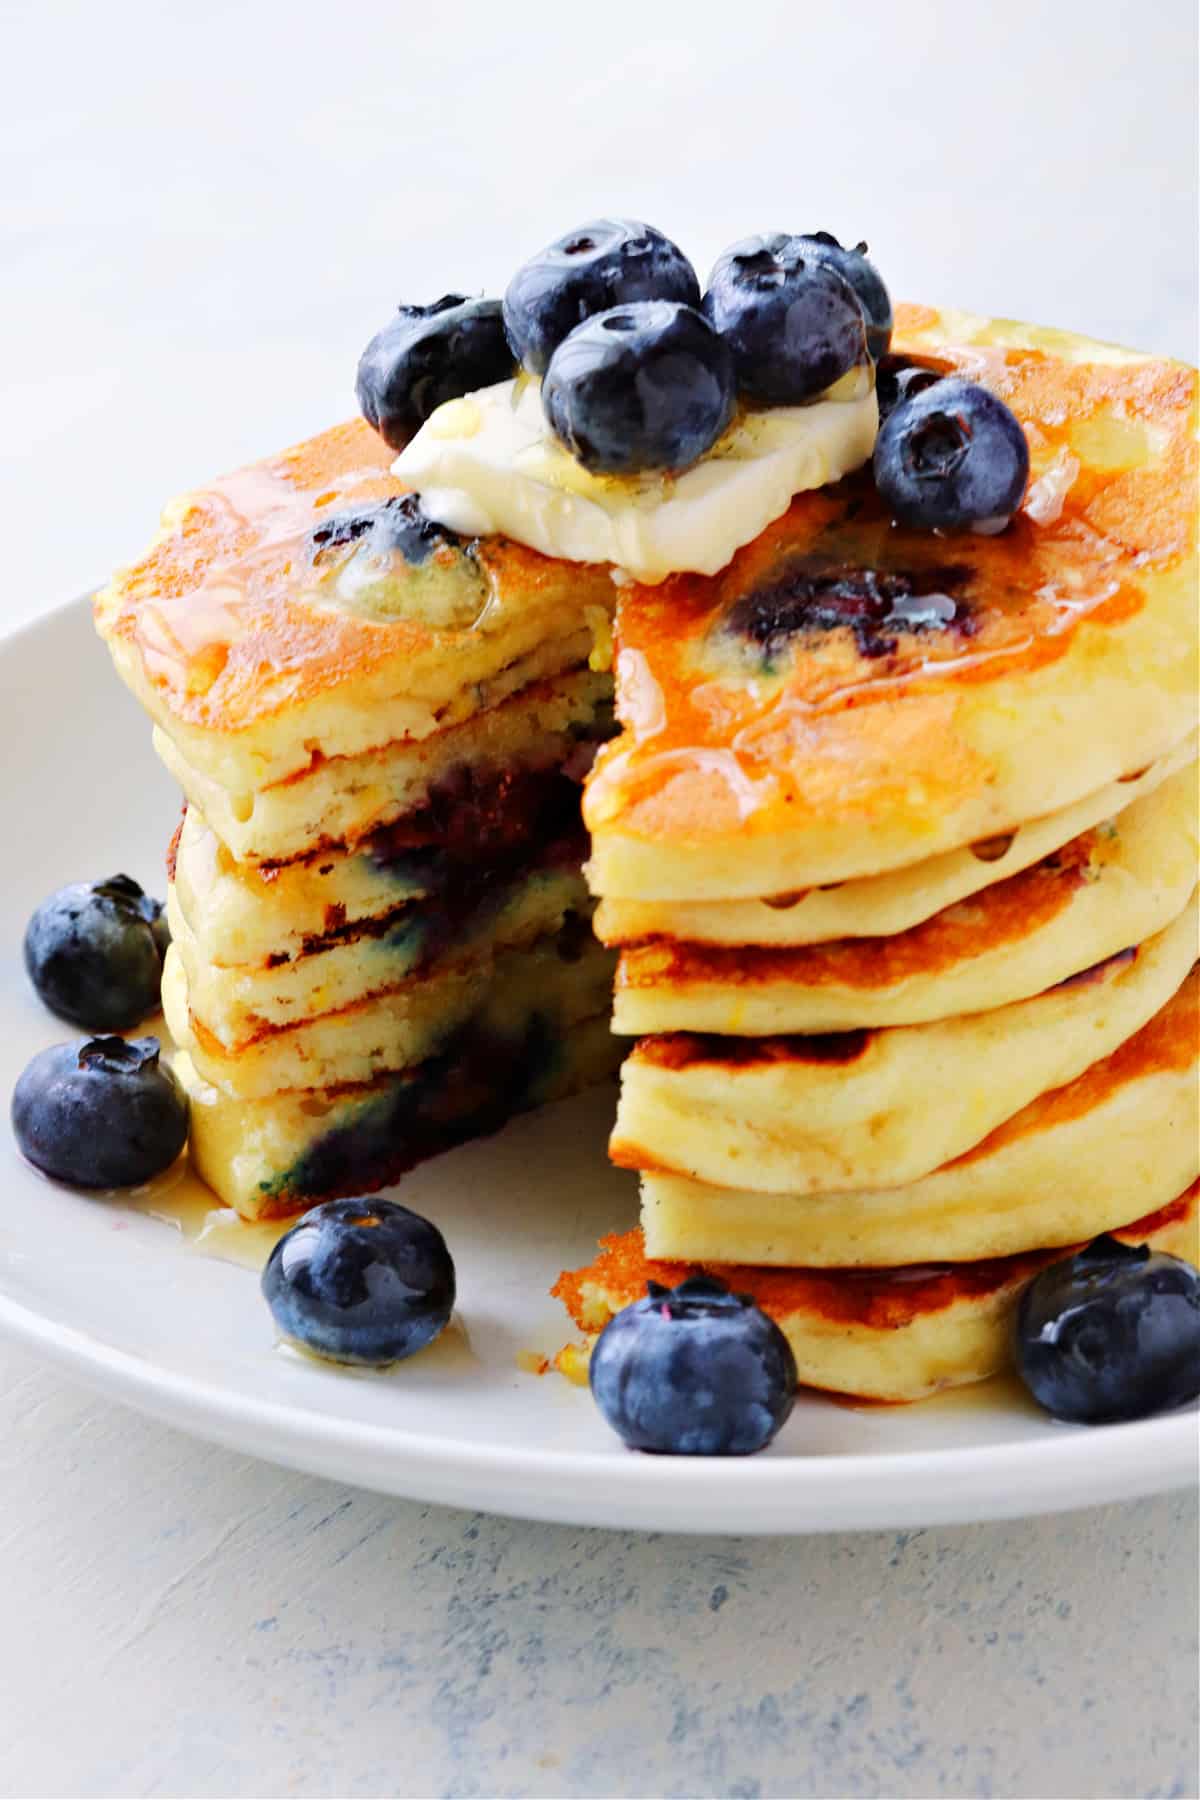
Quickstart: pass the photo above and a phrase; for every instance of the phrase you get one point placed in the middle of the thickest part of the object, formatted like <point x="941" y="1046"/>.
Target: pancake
<point x="352" y="965"/>
<point x="880" y="1335"/>
<point x="1106" y="890"/>
<point x="249" y="912"/>
<point x="277" y="1155"/>
<point x="849" y="697"/>
<point x="339" y="800"/>
<point x="821" y="1115"/>
<point x="396" y="1028"/>
<point x="303" y="601"/>
<point x="1062" y="1168"/>
<point x="881" y="905"/>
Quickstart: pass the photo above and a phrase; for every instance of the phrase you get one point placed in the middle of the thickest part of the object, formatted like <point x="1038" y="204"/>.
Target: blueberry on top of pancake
<point x="849" y="694"/>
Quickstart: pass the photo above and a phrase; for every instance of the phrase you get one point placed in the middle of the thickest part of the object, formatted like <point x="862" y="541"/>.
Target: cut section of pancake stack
<point x="381" y="938"/>
<point x="900" y="849"/>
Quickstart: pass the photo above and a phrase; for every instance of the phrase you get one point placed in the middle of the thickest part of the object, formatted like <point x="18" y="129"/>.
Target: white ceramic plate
<point x="119" y="1299"/>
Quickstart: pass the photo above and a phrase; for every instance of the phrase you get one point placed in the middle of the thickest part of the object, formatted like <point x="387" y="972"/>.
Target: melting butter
<point x="488" y="464"/>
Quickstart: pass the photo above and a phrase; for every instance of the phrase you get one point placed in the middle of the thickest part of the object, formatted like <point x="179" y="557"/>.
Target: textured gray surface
<point x="209" y="210"/>
<point x="195" y="1623"/>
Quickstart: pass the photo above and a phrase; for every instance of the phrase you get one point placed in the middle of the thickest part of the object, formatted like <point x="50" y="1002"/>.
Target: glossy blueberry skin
<point x="94" y="952"/>
<point x="851" y="262"/>
<point x="1110" y="1333"/>
<point x="794" y="324"/>
<point x="425" y="356"/>
<point x="900" y="378"/>
<point x="361" y="1281"/>
<point x="647" y="386"/>
<point x="607" y="263"/>
<point x="105" y="1113"/>
<point x="952" y="458"/>
<point x="693" y="1371"/>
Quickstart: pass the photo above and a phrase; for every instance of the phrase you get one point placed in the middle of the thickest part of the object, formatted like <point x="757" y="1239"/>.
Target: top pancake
<point x="849" y="696"/>
<point x="258" y="637"/>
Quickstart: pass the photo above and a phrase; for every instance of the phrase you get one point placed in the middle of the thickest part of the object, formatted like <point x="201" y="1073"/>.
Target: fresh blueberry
<point x="105" y="1113"/>
<point x="900" y="378"/>
<point x="952" y="458"/>
<point x="866" y="281"/>
<point x="645" y="386"/>
<point x="610" y="262"/>
<point x="427" y="355"/>
<point x="361" y="1281"/>
<point x="792" y="321"/>
<point x="94" y="952"/>
<point x="694" y="1371"/>
<point x="1110" y="1333"/>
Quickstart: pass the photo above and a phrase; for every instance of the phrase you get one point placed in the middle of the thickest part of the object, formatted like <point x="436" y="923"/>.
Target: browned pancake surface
<point x="819" y="671"/>
<point x="877" y="1299"/>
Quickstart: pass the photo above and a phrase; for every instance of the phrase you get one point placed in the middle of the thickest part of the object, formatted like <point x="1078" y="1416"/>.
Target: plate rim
<point x="826" y="1492"/>
<point x="1005" y="1480"/>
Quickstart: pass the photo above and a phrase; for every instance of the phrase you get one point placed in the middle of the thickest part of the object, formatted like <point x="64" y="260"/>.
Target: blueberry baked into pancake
<point x="869" y="640"/>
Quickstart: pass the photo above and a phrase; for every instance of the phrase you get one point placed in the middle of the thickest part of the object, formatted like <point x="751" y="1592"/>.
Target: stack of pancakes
<point x="899" y="848"/>
<point x="381" y="934"/>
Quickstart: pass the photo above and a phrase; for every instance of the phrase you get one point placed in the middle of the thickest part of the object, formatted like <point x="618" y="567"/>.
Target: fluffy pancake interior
<point x="276" y="1155"/>
<point x="237" y="1003"/>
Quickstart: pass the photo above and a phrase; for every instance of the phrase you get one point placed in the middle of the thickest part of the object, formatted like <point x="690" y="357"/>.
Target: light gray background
<point x="207" y="209"/>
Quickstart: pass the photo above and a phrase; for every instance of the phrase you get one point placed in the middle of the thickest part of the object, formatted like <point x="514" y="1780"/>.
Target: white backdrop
<point x="209" y="207"/>
<point x="206" y="210"/>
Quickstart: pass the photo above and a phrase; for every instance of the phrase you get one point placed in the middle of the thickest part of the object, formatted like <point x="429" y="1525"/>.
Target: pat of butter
<point x="490" y="464"/>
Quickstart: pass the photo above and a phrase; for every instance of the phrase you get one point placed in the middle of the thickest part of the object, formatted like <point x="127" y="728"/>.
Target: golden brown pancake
<point x="1062" y="1168"/>
<point x="850" y="696"/>
<point x="878" y="1109"/>
<point x="1106" y="890"/>
<point x="882" y="905"/>
<point x="901" y="1334"/>
<point x="256" y="644"/>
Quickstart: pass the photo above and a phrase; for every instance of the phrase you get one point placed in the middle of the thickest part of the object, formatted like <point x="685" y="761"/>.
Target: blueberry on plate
<point x="1110" y="1333"/>
<point x="952" y="458"/>
<point x="645" y="386"/>
<point x="693" y="1371"/>
<point x="425" y="356"/>
<point x="794" y="324"/>
<point x="866" y="281"/>
<point x="105" y="1113"/>
<point x="94" y="952"/>
<point x="610" y="262"/>
<point x="361" y="1281"/>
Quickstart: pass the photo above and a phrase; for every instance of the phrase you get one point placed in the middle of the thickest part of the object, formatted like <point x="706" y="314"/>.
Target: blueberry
<point x="397" y="525"/>
<point x="866" y="281"/>
<point x="792" y="321"/>
<point x="105" y="1113"/>
<point x="425" y="356"/>
<point x="645" y="386"/>
<point x="610" y="262"/>
<point x="951" y="458"/>
<point x="1110" y="1333"/>
<point x="899" y="378"/>
<point x="94" y="952"/>
<point x="361" y="1281"/>
<point x="694" y="1371"/>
